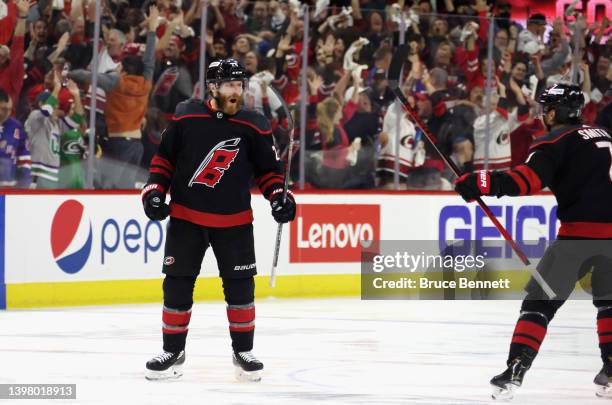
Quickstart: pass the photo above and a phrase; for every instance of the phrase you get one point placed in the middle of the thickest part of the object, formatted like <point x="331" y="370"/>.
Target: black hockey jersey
<point x="207" y="159"/>
<point x="575" y="162"/>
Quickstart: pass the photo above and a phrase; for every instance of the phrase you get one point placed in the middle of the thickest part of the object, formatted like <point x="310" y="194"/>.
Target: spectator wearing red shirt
<point x="234" y="24"/>
<point x="8" y="19"/>
<point x="11" y="60"/>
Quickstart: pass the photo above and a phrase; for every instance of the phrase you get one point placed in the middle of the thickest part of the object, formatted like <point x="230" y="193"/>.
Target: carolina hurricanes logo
<point x="216" y="162"/>
<point x="503" y="138"/>
<point x="407" y="141"/>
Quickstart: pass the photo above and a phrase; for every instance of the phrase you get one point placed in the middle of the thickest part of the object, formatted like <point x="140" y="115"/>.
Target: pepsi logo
<point x="71" y="237"/>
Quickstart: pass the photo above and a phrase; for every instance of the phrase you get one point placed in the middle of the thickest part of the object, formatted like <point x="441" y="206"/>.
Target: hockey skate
<point x="507" y="382"/>
<point x="603" y="380"/>
<point x="165" y="366"/>
<point x="247" y="367"/>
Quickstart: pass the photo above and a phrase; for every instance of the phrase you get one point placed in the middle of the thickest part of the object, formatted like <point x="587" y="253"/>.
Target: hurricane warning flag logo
<point x="216" y="162"/>
<point x="71" y="237"/>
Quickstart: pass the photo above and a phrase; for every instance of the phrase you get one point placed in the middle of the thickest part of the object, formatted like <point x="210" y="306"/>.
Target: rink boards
<point x="99" y="248"/>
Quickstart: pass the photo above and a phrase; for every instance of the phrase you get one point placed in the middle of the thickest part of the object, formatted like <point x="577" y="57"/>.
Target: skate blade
<point x="246" y="376"/>
<point x="604" y="391"/>
<point x="503" y="394"/>
<point x="172" y="373"/>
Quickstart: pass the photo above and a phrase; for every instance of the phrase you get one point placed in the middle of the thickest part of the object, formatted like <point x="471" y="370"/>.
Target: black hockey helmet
<point x="226" y="70"/>
<point x="566" y="99"/>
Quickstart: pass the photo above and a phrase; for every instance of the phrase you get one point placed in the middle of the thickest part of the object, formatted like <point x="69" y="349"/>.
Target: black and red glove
<point x="473" y="185"/>
<point x="282" y="212"/>
<point x="153" y="201"/>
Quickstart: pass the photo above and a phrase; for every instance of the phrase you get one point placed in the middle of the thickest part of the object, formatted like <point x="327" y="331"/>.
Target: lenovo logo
<point x="332" y="232"/>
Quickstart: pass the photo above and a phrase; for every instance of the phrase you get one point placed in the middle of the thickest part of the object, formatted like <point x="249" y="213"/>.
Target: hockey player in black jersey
<point x="208" y="155"/>
<point x="575" y="162"/>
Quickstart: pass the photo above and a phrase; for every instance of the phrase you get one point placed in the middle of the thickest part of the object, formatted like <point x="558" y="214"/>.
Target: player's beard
<point x="229" y="104"/>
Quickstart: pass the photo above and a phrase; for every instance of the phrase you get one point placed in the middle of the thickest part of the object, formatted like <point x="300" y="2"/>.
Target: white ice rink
<point x="335" y="351"/>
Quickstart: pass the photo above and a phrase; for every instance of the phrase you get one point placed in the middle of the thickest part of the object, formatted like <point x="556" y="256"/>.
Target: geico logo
<point x="130" y="236"/>
<point x="529" y="225"/>
<point x="329" y="235"/>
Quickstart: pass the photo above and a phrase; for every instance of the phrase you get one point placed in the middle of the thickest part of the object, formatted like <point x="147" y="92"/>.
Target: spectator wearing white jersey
<point x="501" y="123"/>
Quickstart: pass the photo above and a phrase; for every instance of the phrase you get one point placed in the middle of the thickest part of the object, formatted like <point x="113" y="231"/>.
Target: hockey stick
<point x="279" y="230"/>
<point x="394" y="83"/>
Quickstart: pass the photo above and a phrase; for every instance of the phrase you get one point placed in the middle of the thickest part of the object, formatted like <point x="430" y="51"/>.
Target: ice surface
<point x="332" y="351"/>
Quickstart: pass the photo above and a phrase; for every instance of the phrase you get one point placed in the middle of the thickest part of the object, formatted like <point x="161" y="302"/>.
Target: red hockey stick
<point x="393" y="77"/>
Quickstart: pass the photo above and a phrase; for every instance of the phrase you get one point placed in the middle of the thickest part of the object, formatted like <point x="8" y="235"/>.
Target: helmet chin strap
<point x="546" y="120"/>
<point x="217" y="101"/>
<point x="558" y="121"/>
<point x="216" y="97"/>
<point x="548" y="127"/>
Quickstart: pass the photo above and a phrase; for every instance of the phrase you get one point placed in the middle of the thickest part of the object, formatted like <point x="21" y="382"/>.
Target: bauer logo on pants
<point x="332" y="232"/>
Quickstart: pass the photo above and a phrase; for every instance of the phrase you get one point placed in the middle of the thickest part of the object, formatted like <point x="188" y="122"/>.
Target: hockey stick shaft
<point x="432" y="140"/>
<point x="279" y="229"/>
<point x="279" y="235"/>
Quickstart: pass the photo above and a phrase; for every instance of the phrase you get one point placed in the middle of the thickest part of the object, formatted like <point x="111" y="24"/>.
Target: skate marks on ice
<point x="342" y="351"/>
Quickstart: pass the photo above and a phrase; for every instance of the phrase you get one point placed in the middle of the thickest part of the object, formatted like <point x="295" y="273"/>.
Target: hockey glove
<point x="282" y="213"/>
<point x="153" y="201"/>
<point x="473" y="185"/>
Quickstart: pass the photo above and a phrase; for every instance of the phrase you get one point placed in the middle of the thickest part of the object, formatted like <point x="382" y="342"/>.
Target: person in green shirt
<point x="72" y="152"/>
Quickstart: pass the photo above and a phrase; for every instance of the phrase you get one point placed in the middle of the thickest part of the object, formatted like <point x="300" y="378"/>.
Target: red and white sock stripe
<point x="241" y="317"/>
<point x="175" y="321"/>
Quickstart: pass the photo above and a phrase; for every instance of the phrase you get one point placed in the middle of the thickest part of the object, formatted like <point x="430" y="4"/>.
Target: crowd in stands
<point x="357" y="135"/>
